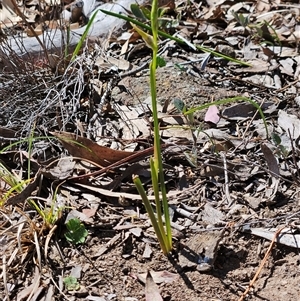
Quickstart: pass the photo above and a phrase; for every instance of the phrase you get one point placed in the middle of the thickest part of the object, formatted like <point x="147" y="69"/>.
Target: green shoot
<point x="156" y="166"/>
<point x="71" y="283"/>
<point x="16" y="185"/>
<point x="85" y="33"/>
<point x="50" y="215"/>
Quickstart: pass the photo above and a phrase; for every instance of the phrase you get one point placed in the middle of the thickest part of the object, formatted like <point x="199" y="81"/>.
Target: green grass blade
<point x="85" y="33"/>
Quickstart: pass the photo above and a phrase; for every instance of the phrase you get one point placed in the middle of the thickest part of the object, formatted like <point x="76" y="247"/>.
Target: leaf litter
<point x="241" y="183"/>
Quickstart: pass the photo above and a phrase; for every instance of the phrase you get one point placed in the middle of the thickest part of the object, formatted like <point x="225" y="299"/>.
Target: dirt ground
<point x="226" y="207"/>
<point x="238" y="256"/>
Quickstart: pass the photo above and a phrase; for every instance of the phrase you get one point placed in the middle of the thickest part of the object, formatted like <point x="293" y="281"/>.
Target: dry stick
<point x="294" y="154"/>
<point x="287" y="86"/>
<point x="261" y="265"/>
<point x="227" y="193"/>
<point x="58" y="288"/>
<point x="4" y="277"/>
<point x="38" y="251"/>
<point x="48" y="240"/>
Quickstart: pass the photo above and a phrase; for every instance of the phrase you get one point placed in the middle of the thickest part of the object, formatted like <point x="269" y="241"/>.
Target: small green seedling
<point x="280" y="149"/>
<point x="76" y="231"/>
<point x="71" y="283"/>
<point x="241" y="19"/>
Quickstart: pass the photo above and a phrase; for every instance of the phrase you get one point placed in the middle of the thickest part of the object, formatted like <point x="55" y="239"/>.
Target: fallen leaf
<point x="158" y="277"/>
<point x="212" y="114"/>
<point x="31" y="289"/>
<point x="84" y="148"/>
<point x="239" y="111"/>
<point x="147" y="251"/>
<point x="89" y="212"/>
<point x="290" y="123"/>
<point x="8" y="17"/>
<point x="151" y="290"/>
<point x="270" y="158"/>
<point x="63" y="169"/>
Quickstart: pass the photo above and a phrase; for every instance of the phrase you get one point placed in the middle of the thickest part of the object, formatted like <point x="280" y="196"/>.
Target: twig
<point x="4" y="277"/>
<point x="134" y="71"/>
<point x="287" y="86"/>
<point x="227" y="193"/>
<point x="38" y="251"/>
<point x="294" y="155"/>
<point x="261" y="265"/>
<point x="48" y="240"/>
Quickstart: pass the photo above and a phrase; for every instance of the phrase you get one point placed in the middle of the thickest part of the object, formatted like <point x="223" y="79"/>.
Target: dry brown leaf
<point x="108" y="63"/>
<point x="287" y="66"/>
<point x="151" y="290"/>
<point x="87" y="149"/>
<point x="8" y="17"/>
<point x="166" y="3"/>
<point x="263" y="6"/>
<point x="270" y="158"/>
<point x="257" y="66"/>
<point x="239" y="111"/>
<point x="158" y="277"/>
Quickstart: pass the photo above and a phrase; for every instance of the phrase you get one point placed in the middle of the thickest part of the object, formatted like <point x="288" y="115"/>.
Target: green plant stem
<point x="154" y="178"/>
<point x="157" y="165"/>
<point x="160" y="235"/>
<point x="179" y="41"/>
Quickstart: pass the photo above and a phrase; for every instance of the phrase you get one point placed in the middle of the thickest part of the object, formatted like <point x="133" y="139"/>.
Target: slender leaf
<point x="165" y="35"/>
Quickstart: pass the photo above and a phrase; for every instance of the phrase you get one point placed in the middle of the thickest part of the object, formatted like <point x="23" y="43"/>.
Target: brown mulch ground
<point x="242" y="189"/>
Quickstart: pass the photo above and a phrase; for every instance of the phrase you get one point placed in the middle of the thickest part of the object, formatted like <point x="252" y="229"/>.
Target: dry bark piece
<point x="200" y="251"/>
